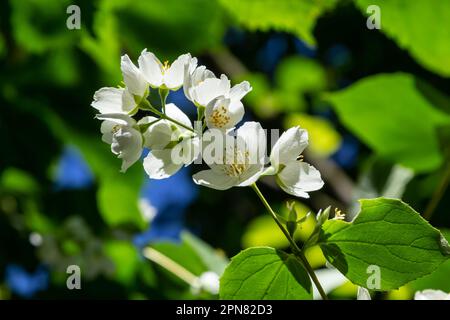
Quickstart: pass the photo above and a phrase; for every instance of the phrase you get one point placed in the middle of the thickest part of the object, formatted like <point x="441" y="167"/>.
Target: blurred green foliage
<point x="394" y="105"/>
<point x="389" y="93"/>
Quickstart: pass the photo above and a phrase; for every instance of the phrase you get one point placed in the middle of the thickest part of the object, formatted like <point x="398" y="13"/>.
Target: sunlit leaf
<point x="265" y="273"/>
<point x="295" y="16"/>
<point x="439" y="279"/>
<point x="389" y="235"/>
<point x="394" y="118"/>
<point x="421" y="27"/>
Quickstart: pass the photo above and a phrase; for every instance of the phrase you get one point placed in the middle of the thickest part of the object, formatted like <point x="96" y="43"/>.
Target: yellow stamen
<point x="240" y="163"/>
<point x="220" y="118"/>
<point x="338" y="215"/>
<point x="115" y="128"/>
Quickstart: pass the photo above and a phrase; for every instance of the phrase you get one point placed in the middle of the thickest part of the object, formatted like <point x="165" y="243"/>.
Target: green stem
<point x="145" y="105"/>
<point x="295" y="249"/>
<point x="163" y="93"/>
<point x="162" y="115"/>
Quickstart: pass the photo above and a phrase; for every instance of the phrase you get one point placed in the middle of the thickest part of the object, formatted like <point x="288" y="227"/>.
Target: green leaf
<point x="421" y="27"/>
<point x="295" y="16"/>
<point x="386" y="233"/>
<point x="439" y="279"/>
<point x="394" y="118"/>
<point x="265" y="273"/>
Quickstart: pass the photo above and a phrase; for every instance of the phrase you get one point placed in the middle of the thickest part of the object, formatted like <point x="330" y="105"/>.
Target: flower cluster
<point x="235" y="156"/>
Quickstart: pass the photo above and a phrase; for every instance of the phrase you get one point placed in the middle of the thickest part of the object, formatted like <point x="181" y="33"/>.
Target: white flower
<point x="430" y="294"/>
<point x="293" y="175"/>
<point x="223" y="113"/>
<point x="242" y="160"/>
<point x="159" y="132"/>
<point x="121" y="131"/>
<point x="164" y="75"/>
<point x="193" y="77"/>
<point x="133" y="77"/>
<point x="208" y="281"/>
<point x="122" y="100"/>
<point x="114" y="100"/>
<point x="172" y="146"/>
<point x="201" y="87"/>
<point x="363" y="294"/>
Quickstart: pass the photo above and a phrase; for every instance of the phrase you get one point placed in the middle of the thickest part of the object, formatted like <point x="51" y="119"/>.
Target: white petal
<point x="173" y="78"/>
<point x="112" y="100"/>
<point x="363" y="294"/>
<point x="240" y="90"/>
<point x="190" y="149"/>
<point x="210" y="282"/>
<point x="128" y="103"/>
<point x="251" y="175"/>
<point x="158" y="135"/>
<point x="127" y="144"/>
<point x="289" y="146"/>
<point x="151" y="68"/>
<point x="158" y="164"/>
<point x="236" y="110"/>
<point x="106" y="129"/>
<point x="132" y="76"/>
<point x="189" y="69"/>
<point x="222" y="113"/>
<point x="330" y="280"/>
<point x="201" y="74"/>
<point x="430" y="294"/>
<point x="117" y="118"/>
<point x="297" y="178"/>
<point x="252" y="137"/>
<point x="213" y="179"/>
<point x="175" y="113"/>
<point x="210" y="89"/>
<point x="147" y="120"/>
<point x="194" y="79"/>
